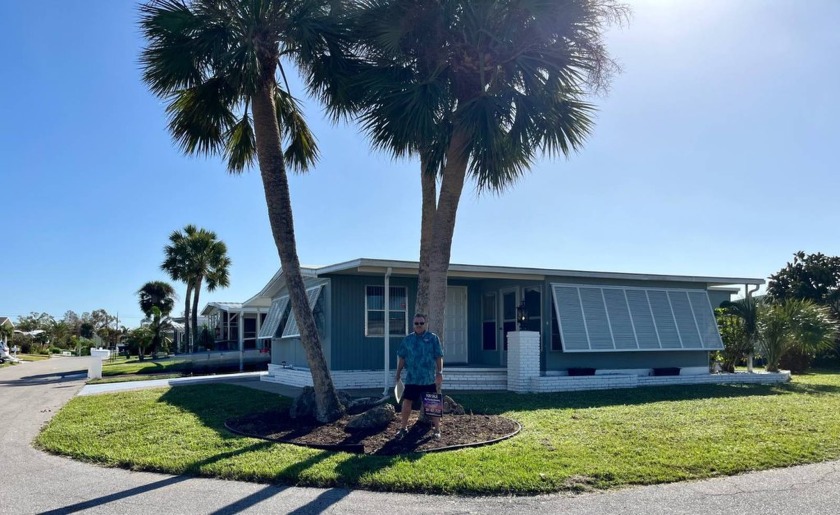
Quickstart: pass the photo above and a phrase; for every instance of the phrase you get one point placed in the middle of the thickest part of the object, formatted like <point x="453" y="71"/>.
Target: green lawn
<point x="26" y="357"/>
<point x="570" y="441"/>
<point x="122" y="367"/>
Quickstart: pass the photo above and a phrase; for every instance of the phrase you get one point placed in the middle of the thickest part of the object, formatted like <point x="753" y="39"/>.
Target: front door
<point x="455" y="336"/>
<point x="508" y="317"/>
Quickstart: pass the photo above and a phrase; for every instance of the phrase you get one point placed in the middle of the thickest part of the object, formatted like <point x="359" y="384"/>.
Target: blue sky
<point x="713" y="154"/>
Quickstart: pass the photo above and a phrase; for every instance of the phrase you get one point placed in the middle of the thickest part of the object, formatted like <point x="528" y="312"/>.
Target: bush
<point x="796" y="360"/>
<point x="23" y="342"/>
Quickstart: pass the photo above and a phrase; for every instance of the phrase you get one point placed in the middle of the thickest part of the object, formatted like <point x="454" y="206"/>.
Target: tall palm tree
<point x="216" y="63"/>
<point x="474" y="89"/>
<point x="196" y="255"/>
<point x="157" y="299"/>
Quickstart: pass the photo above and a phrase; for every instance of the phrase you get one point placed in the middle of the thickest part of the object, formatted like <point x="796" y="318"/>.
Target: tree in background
<point x="6" y="332"/>
<point x="139" y="339"/>
<point x="793" y="324"/>
<point x="157" y="299"/>
<point x="86" y="330"/>
<point x="737" y="343"/>
<point x="814" y="277"/>
<point x="216" y="65"/>
<point x="475" y="89"/>
<point x="746" y="310"/>
<point x="195" y="256"/>
<point x="158" y="294"/>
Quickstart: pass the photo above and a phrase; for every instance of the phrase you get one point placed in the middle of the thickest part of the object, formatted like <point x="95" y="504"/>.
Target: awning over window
<point x="616" y="319"/>
<point x="275" y="315"/>
<point x="291" y="329"/>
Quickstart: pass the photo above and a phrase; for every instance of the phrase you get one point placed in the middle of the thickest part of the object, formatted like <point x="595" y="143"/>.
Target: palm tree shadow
<point x="214" y="403"/>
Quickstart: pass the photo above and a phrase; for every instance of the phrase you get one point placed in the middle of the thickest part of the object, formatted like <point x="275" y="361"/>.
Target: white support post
<point x="523" y="360"/>
<point x="241" y="337"/>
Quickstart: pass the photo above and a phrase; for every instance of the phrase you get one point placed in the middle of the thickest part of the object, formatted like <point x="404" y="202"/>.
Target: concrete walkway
<point x="35" y="482"/>
<point x="249" y="379"/>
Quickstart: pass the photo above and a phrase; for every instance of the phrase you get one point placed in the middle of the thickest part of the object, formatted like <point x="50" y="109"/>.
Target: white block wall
<point x="518" y="380"/>
<point x="454" y="379"/>
<point x="523" y="360"/>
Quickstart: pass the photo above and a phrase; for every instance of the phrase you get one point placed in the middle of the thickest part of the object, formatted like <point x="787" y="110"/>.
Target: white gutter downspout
<point x="748" y="294"/>
<point x="241" y="338"/>
<point x="387" y="336"/>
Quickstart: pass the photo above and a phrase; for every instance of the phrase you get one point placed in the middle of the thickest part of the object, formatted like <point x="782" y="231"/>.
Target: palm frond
<point x="302" y="150"/>
<point x="201" y="116"/>
<point x="241" y="145"/>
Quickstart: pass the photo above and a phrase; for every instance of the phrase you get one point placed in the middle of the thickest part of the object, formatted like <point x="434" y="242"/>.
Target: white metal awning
<point x="595" y="318"/>
<point x="291" y="330"/>
<point x="268" y="329"/>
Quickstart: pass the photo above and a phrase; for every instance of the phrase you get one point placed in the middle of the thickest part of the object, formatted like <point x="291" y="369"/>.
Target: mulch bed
<point x="456" y="431"/>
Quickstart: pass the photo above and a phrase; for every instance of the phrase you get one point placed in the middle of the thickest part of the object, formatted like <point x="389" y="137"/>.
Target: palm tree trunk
<point x="428" y="183"/>
<point x="278" y="200"/>
<point x="194" y="312"/>
<point x="443" y="230"/>
<point x="187" y="333"/>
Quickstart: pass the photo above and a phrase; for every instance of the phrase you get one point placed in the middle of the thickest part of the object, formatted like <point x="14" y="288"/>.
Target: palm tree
<point x="157" y="299"/>
<point x="216" y="63"/>
<point x="196" y="255"/>
<point x="794" y="324"/>
<point x="475" y="89"/>
<point x="157" y="293"/>
<point x="747" y="310"/>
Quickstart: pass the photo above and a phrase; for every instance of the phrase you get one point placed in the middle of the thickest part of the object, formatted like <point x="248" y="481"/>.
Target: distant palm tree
<point x="475" y="89"/>
<point x="157" y="293"/>
<point x="157" y="299"/>
<point x="217" y="64"/>
<point x="193" y="256"/>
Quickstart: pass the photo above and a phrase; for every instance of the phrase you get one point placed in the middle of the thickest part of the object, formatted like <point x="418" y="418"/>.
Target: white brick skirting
<point x="454" y="378"/>
<point x="497" y="379"/>
<point x="606" y="382"/>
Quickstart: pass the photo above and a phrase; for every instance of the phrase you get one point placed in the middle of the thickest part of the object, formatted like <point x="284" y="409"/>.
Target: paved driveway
<point x="35" y="482"/>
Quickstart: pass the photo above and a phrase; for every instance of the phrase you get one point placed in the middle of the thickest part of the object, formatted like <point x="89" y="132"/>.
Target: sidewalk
<point x="249" y="379"/>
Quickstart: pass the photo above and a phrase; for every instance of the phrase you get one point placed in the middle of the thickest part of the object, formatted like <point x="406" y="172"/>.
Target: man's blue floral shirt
<point x="420" y="353"/>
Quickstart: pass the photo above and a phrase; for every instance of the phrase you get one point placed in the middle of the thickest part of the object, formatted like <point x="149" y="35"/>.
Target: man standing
<point x="422" y="357"/>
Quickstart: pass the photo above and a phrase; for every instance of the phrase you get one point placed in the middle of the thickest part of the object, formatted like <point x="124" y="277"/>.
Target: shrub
<point x="736" y="342"/>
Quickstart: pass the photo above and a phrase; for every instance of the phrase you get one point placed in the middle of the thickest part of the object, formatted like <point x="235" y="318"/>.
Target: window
<point x="534" y="308"/>
<point x="488" y="322"/>
<point x="556" y="341"/>
<point x="375" y="311"/>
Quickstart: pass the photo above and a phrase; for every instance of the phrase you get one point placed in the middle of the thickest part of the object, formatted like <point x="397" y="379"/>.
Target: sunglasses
<point x="419" y="323"/>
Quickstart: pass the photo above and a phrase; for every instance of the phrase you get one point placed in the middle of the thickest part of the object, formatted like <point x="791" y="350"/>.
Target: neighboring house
<point x="236" y="327"/>
<point x="6" y="321"/>
<point x="176" y="332"/>
<point x="521" y="329"/>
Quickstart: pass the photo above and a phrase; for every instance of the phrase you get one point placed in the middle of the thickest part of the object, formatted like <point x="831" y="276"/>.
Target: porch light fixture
<point x="522" y="315"/>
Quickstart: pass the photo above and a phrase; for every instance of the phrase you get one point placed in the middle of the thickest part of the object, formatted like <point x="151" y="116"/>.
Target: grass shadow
<point x="214" y="403"/>
<point x="497" y="403"/>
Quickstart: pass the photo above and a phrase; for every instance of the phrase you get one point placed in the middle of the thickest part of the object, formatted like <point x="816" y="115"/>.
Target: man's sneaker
<point x="437" y="434"/>
<point x="401" y="434"/>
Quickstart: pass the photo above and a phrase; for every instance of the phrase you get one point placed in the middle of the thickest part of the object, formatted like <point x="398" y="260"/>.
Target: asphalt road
<point x="35" y="482"/>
